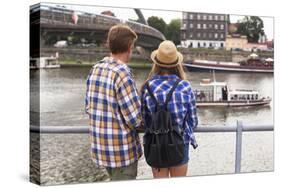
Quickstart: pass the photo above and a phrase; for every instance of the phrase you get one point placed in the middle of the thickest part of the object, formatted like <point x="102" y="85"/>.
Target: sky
<point x="128" y="13"/>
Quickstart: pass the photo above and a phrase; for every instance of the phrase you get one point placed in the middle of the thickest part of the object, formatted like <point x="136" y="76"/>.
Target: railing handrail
<point x="208" y="128"/>
<point x="239" y="128"/>
<point x="113" y="20"/>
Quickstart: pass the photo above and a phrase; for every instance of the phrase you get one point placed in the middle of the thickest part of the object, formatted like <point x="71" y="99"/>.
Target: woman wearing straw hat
<point x="166" y="71"/>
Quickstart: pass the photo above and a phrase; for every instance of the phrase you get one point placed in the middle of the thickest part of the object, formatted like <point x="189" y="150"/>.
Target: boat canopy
<point x="243" y="92"/>
<point x="269" y="60"/>
<point x="205" y="82"/>
<point x="253" y="55"/>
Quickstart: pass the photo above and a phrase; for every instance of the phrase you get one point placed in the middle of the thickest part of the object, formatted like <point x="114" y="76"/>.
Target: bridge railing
<point x="239" y="128"/>
<point x="65" y="16"/>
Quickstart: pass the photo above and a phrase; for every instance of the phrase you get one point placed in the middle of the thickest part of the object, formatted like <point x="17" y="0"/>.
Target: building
<point x="270" y="44"/>
<point x="204" y="30"/>
<point x="236" y="41"/>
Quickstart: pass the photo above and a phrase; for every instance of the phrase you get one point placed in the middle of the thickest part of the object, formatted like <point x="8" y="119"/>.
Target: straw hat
<point x="167" y="55"/>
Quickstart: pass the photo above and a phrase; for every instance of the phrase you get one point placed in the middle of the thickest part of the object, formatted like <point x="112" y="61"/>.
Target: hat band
<point x="162" y="63"/>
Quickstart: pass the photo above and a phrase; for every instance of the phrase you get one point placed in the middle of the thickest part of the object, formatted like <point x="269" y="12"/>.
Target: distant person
<point x="224" y="93"/>
<point x="113" y="106"/>
<point x="169" y="114"/>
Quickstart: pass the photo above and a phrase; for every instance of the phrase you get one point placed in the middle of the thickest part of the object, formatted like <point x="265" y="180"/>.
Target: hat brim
<point x="180" y="60"/>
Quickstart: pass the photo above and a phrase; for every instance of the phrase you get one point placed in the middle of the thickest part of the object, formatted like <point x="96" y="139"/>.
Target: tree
<point x="252" y="27"/>
<point x="157" y="23"/>
<point x="173" y="31"/>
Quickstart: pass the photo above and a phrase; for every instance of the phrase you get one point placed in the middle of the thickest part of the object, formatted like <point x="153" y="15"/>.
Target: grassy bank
<point x="132" y="64"/>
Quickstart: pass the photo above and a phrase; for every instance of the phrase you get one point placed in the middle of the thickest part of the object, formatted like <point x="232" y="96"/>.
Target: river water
<point x="62" y="94"/>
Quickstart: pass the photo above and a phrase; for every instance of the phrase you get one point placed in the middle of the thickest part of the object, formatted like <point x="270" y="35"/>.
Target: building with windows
<point x="204" y="30"/>
<point x="235" y="41"/>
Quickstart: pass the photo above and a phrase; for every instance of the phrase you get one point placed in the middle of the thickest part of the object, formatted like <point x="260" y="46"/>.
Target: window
<point x="210" y="35"/>
<point x="198" y="44"/>
<point x="198" y="26"/>
<point x="210" y="26"/>
<point x="216" y="17"/>
<point x="204" y="35"/>
<point x="204" y="44"/>
<point x="210" y="45"/>
<point x="222" y="26"/>
<point x="222" y="35"/>
<point x="185" y="15"/>
<point x="184" y="36"/>
<point x="198" y="35"/>
<point x="190" y="35"/>
<point x="204" y="17"/>
<point x="191" y="16"/>
<point x="216" y="35"/>
<point x="204" y="26"/>
<point x="198" y="17"/>
<point x="221" y="45"/>
<point x="191" y="25"/>
<point x="222" y="17"/>
<point x="216" y="26"/>
<point x="210" y="17"/>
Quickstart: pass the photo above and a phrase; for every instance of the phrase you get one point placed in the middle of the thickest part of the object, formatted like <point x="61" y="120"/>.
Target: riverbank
<point x="131" y="64"/>
<point x="95" y="53"/>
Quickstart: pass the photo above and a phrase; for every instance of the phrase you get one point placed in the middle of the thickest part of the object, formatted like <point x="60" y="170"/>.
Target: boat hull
<point x="225" y="68"/>
<point x="233" y="103"/>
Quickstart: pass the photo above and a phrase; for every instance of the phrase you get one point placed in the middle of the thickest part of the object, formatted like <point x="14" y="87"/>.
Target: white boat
<point x="44" y="63"/>
<point x="219" y="94"/>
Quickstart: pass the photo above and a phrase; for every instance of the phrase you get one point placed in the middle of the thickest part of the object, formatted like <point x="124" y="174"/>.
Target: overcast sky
<point x="128" y="13"/>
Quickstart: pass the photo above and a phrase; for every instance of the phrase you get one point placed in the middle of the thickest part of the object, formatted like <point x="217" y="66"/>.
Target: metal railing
<point x="239" y="128"/>
<point x="54" y="14"/>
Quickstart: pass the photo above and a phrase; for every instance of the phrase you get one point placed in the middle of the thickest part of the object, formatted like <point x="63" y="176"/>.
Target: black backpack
<point x="163" y="142"/>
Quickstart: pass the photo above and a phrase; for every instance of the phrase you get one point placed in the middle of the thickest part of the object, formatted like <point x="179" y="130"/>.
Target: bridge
<point x="55" y="23"/>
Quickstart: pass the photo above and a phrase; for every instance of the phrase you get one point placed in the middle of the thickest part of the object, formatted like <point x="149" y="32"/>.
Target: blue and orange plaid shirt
<point x="182" y="103"/>
<point x="113" y="105"/>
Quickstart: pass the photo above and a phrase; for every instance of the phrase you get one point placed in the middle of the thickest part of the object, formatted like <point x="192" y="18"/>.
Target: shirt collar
<point x="112" y="60"/>
<point x="165" y="77"/>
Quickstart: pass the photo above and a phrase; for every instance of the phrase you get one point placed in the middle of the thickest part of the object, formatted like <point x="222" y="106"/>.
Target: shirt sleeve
<point x="128" y="99"/>
<point x="192" y="112"/>
<point x="87" y="96"/>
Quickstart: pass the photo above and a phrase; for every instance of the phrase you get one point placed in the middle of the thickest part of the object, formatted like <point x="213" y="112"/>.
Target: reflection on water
<point x="62" y="96"/>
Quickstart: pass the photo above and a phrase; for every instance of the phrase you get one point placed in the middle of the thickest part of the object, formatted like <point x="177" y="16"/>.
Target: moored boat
<point x="252" y="64"/>
<point x="219" y="94"/>
<point x="44" y="63"/>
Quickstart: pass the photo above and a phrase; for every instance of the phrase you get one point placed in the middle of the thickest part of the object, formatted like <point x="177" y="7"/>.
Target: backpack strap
<point x="168" y="96"/>
<point x="171" y="92"/>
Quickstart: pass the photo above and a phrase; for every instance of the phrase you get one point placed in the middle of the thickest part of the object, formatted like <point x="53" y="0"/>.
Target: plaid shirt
<point x="113" y="105"/>
<point x="182" y="103"/>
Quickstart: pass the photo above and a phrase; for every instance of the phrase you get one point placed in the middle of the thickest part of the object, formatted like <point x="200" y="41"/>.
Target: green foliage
<point x="173" y="31"/>
<point x="252" y="27"/>
<point x="157" y="23"/>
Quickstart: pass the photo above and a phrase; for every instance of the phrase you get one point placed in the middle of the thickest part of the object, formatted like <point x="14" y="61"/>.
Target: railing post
<point x="238" y="146"/>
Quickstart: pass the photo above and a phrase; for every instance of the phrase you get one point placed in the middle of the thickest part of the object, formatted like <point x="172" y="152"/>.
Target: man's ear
<point x="131" y="47"/>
